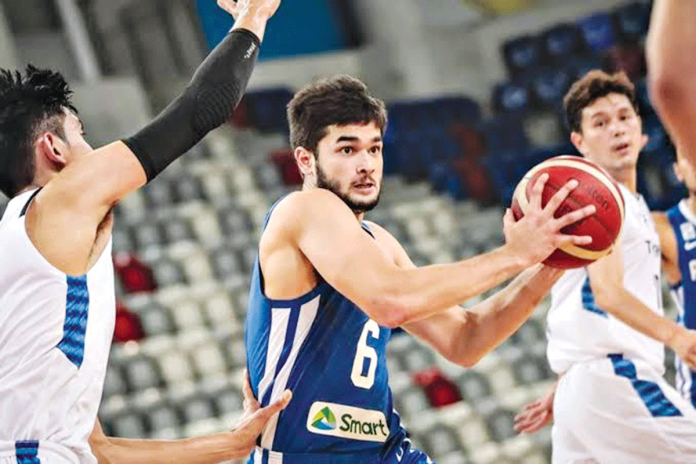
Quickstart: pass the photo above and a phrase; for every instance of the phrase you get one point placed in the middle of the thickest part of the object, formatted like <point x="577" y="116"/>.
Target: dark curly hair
<point x="338" y="100"/>
<point x="592" y="86"/>
<point x="29" y="106"/>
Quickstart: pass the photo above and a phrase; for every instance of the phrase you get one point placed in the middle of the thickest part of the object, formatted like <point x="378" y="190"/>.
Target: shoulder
<point x="390" y="244"/>
<point x="304" y="209"/>
<point x="314" y="200"/>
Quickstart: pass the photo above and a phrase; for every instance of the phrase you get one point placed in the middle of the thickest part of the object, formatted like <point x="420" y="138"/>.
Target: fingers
<point x="229" y="6"/>
<point x="537" y="191"/>
<point x="562" y="240"/>
<point x="575" y="216"/>
<point x="277" y="406"/>
<point x="559" y="196"/>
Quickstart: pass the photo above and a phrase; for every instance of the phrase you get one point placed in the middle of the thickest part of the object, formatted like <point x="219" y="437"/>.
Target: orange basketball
<point x="596" y="187"/>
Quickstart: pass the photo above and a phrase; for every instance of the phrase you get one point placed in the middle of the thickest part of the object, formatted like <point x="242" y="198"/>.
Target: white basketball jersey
<point x="55" y="336"/>
<point x="580" y="331"/>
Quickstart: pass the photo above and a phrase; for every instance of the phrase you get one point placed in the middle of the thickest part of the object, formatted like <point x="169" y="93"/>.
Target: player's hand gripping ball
<point x="596" y="187"/>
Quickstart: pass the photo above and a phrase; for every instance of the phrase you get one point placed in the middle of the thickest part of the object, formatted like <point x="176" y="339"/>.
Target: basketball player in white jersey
<point x="606" y="328"/>
<point x="57" y="304"/>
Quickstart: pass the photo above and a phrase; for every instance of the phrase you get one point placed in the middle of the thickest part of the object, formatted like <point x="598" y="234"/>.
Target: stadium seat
<point x="440" y="440"/>
<point x="500" y="425"/>
<point x="176" y="367"/>
<point x="129" y="425"/>
<point x="511" y="97"/>
<point x="629" y="58"/>
<point x="560" y="43"/>
<point x="632" y="20"/>
<point x="114" y="383"/>
<point x="548" y="87"/>
<point x="134" y="275"/>
<point x="141" y="373"/>
<point x="522" y="54"/>
<point x="127" y="326"/>
<point x="657" y="137"/>
<point x="474" y="386"/>
<point x="168" y="273"/>
<point x="598" y="31"/>
<point x="266" y="109"/>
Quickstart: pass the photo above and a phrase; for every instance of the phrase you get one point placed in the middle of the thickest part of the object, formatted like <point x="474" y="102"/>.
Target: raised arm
<point x="327" y="233"/>
<point x="63" y="220"/>
<point x="671" y="55"/>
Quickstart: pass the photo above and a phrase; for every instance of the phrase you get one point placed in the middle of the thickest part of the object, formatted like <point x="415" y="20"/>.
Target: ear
<point x="52" y="148"/>
<point x="578" y="141"/>
<point x="305" y="161"/>
<point x="644" y="141"/>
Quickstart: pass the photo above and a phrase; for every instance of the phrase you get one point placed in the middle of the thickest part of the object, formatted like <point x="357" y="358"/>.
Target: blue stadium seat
<point x="561" y="42"/>
<point x="579" y="68"/>
<point x="549" y="86"/>
<point x="643" y="97"/>
<point x="598" y="31"/>
<point x="266" y="109"/>
<point x="504" y="132"/>
<point x="657" y="137"/>
<point x="456" y="109"/>
<point x="511" y="97"/>
<point x="521" y="54"/>
<point x="633" y="20"/>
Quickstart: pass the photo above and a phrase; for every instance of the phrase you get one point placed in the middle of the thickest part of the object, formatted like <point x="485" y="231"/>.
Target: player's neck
<point x="626" y="177"/>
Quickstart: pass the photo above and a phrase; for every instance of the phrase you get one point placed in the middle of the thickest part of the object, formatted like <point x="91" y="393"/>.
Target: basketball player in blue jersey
<point x="57" y="306"/>
<point x="606" y="326"/>
<point x="677" y="229"/>
<point x="328" y="287"/>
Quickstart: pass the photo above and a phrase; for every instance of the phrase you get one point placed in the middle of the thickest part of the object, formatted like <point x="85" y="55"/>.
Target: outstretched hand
<point x="263" y="8"/>
<point x="538" y="414"/>
<point x="254" y="419"/>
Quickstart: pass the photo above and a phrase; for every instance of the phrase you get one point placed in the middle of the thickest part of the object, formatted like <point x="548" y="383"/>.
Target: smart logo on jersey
<point x="354" y="423"/>
<point x="324" y="420"/>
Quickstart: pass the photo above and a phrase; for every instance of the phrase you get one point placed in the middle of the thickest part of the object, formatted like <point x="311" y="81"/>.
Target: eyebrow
<point x="353" y="138"/>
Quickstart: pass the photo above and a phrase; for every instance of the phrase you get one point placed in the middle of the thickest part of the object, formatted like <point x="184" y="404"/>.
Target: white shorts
<point x="616" y="411"/>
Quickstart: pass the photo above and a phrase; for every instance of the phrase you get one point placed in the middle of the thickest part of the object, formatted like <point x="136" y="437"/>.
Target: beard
<point x="358" y="207"/>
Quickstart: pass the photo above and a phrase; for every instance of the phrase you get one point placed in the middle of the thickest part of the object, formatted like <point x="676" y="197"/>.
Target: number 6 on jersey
<point x="363" y="353"/>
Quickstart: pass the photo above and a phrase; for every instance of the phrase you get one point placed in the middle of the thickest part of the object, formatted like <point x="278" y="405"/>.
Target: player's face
<point x="349" y="163"/>
<point x="77" y="146"/>
<point x="612" y="133"/>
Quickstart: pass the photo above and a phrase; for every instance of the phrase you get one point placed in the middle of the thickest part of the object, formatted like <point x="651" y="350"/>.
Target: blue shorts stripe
<point x="27" y="452"/>
<point x="650" y="392"/>
<point x="588" y="301"/>
<point x="75" y="325"/>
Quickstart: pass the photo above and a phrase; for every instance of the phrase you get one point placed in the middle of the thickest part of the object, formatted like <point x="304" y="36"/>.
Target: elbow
<point x="465" y="349"/>
<point x="389" y="309"/>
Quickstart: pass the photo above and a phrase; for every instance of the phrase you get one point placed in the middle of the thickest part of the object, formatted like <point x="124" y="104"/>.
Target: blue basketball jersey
<point x="333" y="358"/>
<point x="683" y="222"/>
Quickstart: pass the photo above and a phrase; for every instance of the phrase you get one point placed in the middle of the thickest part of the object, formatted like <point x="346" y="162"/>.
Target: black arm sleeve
<point x="207" y="102"/>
